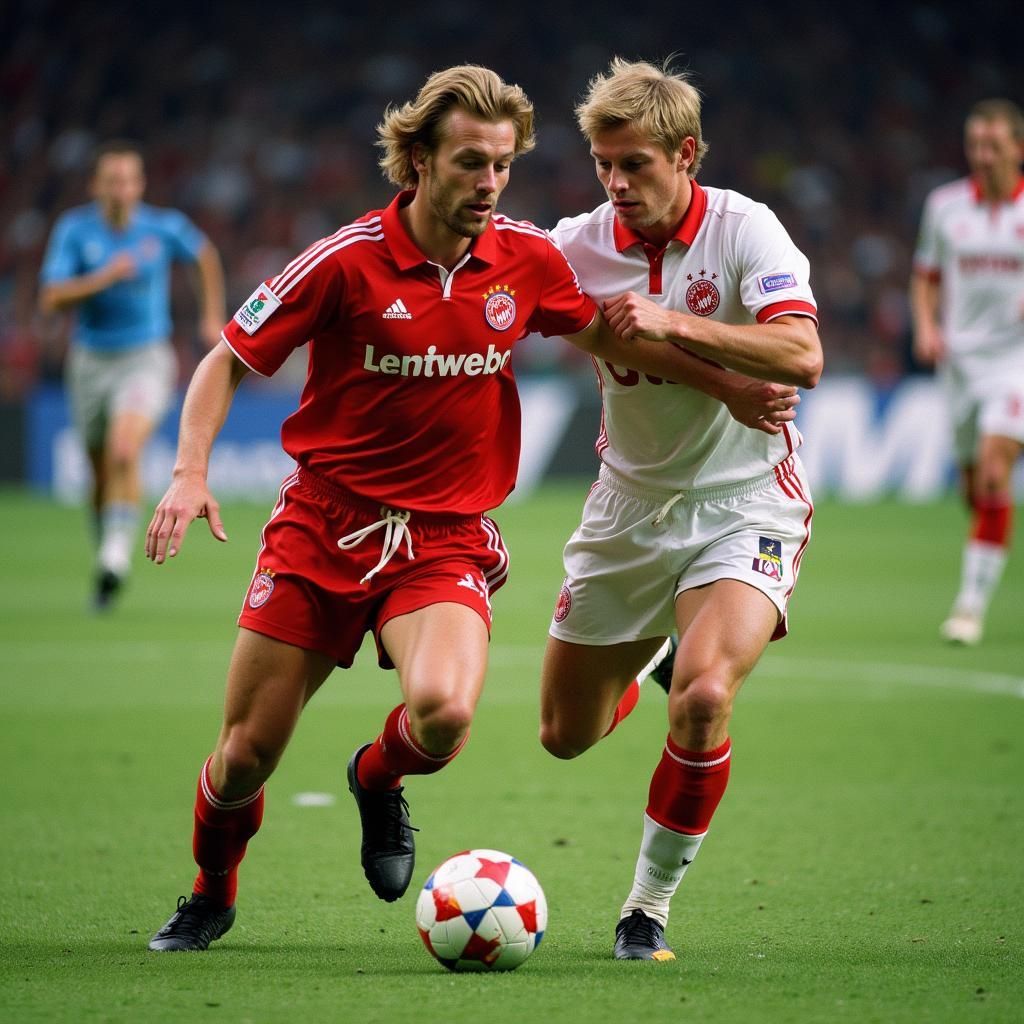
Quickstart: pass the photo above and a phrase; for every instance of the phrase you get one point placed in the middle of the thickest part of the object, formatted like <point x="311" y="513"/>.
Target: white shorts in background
<point x="102" y="384"/>
<point x="984" y="404"/>
<point x="623" y="572"/>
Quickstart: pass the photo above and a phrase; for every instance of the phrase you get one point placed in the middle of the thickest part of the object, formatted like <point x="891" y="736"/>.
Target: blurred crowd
<point x="258" y="121"/>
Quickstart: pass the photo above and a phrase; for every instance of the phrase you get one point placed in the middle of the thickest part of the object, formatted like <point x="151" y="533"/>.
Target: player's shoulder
<point x="82" y="216"/>
<point x="519" y="233"/>
<point x="958" y="192"/>
<point x="590" y="227"/>
<point x="733" y="208"/>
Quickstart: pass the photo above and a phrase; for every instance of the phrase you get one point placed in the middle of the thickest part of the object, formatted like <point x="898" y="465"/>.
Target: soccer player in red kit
<point x="407" y="433"/>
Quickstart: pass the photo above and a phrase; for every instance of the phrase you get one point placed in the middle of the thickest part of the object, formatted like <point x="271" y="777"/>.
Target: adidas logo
<point x="397" y="311"/>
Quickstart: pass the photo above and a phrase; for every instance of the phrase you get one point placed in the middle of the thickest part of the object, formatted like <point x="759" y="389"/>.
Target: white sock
<point x="655" y="661"/>
<point x="119" y="530"/>
<point x="981" y="571"/>
<point x="664" y="857"/>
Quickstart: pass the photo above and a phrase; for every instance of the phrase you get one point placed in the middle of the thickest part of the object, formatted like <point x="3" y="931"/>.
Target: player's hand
<point x="632" y="316"/>
<point x="761" y="405"/>
<point x="929" y="345"/>
<point x="120" y="267"/>
<point x="186" y="499"/>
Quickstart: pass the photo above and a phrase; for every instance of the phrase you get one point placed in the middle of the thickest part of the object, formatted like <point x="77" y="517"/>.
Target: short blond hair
<point x="659" y="102"/>
<point x="1000" y="110"/>
<point x="477" y="90"/>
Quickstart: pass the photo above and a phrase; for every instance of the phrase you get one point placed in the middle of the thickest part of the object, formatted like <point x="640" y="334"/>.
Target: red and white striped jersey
<point x="976" y="250"/>
<point x="731" y="260"/>
<point x="410" y="397"/>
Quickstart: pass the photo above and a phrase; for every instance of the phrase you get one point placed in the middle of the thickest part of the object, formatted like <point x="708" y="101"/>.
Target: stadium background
<point x="258" y="120"/>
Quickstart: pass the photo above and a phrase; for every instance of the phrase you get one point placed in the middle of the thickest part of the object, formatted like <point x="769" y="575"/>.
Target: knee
<point x="440" y="727"/>
<point x="703" y="703"/>
<point x="246" y="758"/>
<point x="560" y="742"/>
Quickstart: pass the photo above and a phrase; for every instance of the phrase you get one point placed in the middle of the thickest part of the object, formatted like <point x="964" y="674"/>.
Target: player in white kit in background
<point x="697" y="524"/>
<point x="967" y="297"/>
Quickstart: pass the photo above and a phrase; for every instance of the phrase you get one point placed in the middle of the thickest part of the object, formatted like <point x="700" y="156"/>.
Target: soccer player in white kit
<point x="967" y="297"/>
<point x="696" y="524"/>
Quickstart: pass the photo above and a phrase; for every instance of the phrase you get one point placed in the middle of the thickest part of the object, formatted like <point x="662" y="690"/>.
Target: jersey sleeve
<point x="284" y="312"/>
<point x="183" y="237"/>
<point x="562" y="308"/>
<point x="774" y="275"/>
<point x="928" y="251"/>
<point x="62" y="259"/>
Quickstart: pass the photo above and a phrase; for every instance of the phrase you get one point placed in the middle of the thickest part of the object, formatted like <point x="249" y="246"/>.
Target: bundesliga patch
<point x="256" y="309"/>
<point x="500" y="307"/>
<point x="776" y="282"/>
<point x="769" y="557"/>
<point x="261" y="589"/>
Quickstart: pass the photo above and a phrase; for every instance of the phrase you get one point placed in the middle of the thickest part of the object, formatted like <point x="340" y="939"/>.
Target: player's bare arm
<point x="786" y="350"/>
<point x="207" y="402"/>
<point x="925" y="293"/>
<point x="61" y="295"/>
<point x="211" y="292"/>
<point x="758" y="404"/>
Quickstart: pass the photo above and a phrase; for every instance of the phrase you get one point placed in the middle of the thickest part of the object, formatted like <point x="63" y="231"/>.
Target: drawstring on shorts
<point x="666" y="508"/>
<point x="395" y="531"/>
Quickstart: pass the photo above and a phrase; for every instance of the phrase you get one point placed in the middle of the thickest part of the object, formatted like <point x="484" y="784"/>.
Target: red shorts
<point x="306" y="591"/>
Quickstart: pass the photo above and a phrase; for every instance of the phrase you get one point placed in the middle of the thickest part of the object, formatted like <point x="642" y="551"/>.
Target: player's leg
<point x="723" y="629"/>
<point x="987" y="546"/>
<point x="440" y="653"/>
<point x="585" y="691"/>
<point x="269" y="682"/>
<point x="138" y="402"/>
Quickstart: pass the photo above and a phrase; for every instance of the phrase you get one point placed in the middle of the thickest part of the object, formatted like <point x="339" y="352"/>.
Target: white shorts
<point x="984" y="405"/>
<point x="623" y="572"/>
<point x="101" y="385"/>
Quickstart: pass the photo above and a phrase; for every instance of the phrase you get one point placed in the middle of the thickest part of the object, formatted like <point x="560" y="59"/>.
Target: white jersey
<point x="976" y="251"/>
<point x="732" y="261"/>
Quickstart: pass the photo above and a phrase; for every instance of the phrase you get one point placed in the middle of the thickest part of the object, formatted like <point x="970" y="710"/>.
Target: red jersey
<point x="410" y="397"/>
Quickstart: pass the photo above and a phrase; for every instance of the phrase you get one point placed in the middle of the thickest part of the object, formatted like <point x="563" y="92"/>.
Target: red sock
<point x="625" y="706"/>
<point x="223" y="829"/>
<point x="687" y="786"/>
<point x="395" y="753"/>
<point x="992" y="520"/>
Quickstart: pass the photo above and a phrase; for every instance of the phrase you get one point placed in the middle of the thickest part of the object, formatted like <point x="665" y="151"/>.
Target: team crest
<point x="702" y="297"/>
<point x="261" y="589"/>
<point x="500" y="307"/>
<point x="769" y="557"/>
<point x="564" y="604"/>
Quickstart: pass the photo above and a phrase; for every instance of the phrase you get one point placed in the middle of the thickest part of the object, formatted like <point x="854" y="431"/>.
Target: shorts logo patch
<point x="477" y="584"/>
<point x="776" y="282"/>
<point x="769" y="557"/>
<point x="500" y="307"/>
<point x="702" y="297"/>
<point x="256" y="309"/>
<point x="261" y="589"/>
<point x="564" y="604"/>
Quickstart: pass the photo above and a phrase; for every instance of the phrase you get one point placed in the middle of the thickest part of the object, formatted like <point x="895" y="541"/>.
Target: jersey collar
<point x="692" y="220"/>
<point x="1018" y="190"/>
<point x="406" y="252"/>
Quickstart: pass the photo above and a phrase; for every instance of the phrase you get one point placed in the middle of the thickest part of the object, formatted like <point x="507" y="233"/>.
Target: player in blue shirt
<point x="110" y="261"/>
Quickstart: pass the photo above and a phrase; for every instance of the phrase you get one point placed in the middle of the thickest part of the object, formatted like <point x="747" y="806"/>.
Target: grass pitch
<point x="864" y="866"/>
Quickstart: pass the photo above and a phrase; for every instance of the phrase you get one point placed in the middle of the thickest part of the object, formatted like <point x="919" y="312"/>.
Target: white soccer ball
<point x="481" y="910"/>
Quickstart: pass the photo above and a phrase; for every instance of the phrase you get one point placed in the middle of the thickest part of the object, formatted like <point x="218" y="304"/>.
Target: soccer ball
<point x="481" y="910"/>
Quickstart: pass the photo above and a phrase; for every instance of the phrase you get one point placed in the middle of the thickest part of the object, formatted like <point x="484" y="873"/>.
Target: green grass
<point x="864" y="866"/>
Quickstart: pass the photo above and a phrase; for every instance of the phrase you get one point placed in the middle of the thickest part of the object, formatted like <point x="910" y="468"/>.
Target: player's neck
<point x="432" y="236"/>
<point x="660" y="234"/>
<point x="118" y="217"/>
<point x="1000" y="186"/>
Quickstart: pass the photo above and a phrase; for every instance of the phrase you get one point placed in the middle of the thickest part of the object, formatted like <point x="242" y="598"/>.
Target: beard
<point x="449" y="211"/>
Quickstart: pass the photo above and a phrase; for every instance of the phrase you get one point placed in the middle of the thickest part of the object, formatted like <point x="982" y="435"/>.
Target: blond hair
<point x="477" y="90"/>
<point x="658" y="102"/>
<point x="1000" y="110"/>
